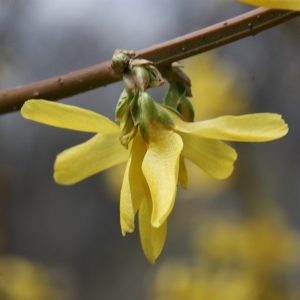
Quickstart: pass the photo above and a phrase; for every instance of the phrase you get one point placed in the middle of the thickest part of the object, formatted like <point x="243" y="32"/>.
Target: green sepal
<point x="172" y="97"/>
<point x="173" y="110"/>
<point x="129" y="83"/>
<point x="175" y="74"/>
<point x="128" y="131"/>
<point x="155" y="76"/>
<point x="140" y="62"/>
<point x="148" y="113"/>
<point x="147" y="106"/>
<point x="186" y="109"/>
<point x="164" y="118"/>
<point x="122" y="105"/>
<point x="134" y="108"/>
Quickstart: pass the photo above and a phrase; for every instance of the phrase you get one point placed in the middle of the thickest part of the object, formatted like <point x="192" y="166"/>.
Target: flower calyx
<point x="136" y="109"/>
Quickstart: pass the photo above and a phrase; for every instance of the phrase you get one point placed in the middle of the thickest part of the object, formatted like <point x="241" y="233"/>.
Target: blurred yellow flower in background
<point x="234" y="260"/>
<point x="21" y="279"/>
<point x="216" y="87"/>
<point x="278" y="4"/>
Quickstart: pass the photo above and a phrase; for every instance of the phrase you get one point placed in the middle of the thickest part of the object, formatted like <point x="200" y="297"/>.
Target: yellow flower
<point x="22" y="279"/>
<point x="155" y="167"/>
<point x="278" y="4"/>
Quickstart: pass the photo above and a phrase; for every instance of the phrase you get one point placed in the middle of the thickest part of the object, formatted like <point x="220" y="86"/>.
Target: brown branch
<point x="163" y="54"/>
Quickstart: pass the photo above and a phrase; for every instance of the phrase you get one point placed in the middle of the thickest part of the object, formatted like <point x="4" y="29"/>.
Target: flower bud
<point x="143" y="81"/>
<point x="141" y="77"/>
<point x="120" y="61"/>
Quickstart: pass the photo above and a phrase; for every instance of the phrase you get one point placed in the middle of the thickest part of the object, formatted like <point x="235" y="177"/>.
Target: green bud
<point x="141" y="77"/>
<point x="143" y="81"/>
<point x="120" y="60"/>
<point x="186" y="109"/>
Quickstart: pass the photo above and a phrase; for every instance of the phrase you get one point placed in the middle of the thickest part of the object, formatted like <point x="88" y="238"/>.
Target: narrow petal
<point x="97" y="154"/>
<point x="183" y="174"/>
<point x="152" y="239"/>
<point x="212" y="156"/>
<point x="127" y="212"/>
<point x="160" y="167"/>
<point x="67" y="116"/>
<point x="259" y="127"/>
<point x="134" y="187"/>
<point x="279" y="4"/>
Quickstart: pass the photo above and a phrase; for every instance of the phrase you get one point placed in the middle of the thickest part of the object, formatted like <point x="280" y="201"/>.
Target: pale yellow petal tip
<point x="63" y="180"/>
<point x="151" y="256"/>
<point x="281" y="126"/>
<point x="62" y="177"/>
<point x="156" y="223"/>
<point x="126" y="228"/>
<point x="26" y="108"/>
<point x="151" y="259"/>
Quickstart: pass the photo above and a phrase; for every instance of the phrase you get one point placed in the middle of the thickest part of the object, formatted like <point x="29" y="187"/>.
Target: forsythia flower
<point x="158" y="139"/>
<point x="155" y="156"/>
<point x="279" y="4"/>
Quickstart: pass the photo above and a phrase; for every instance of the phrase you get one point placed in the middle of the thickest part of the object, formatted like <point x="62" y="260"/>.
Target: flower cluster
<point x="154" y="139"/>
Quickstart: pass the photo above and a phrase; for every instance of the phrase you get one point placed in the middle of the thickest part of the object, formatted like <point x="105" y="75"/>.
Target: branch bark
<point x="163" y="54"/>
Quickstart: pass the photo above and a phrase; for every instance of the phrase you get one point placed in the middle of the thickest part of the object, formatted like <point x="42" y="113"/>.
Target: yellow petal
<point x="134" y="187"/>
<point x="279" y="4"/>
<point x="183" y="174"/>
<point x="152" y="239"/>
<point x="160" y="167"/>
<point x="260" y="127"/>
<point x="212" y="156"/>
<point x="67" y="116"/>
<point x="97" y="154"/>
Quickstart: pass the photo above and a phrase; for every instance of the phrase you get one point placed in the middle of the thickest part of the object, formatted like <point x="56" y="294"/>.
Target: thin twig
<point x="163" y="54"/>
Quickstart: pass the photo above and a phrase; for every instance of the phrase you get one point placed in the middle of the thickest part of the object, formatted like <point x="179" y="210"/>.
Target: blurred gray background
<point x="76" y="229"/>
